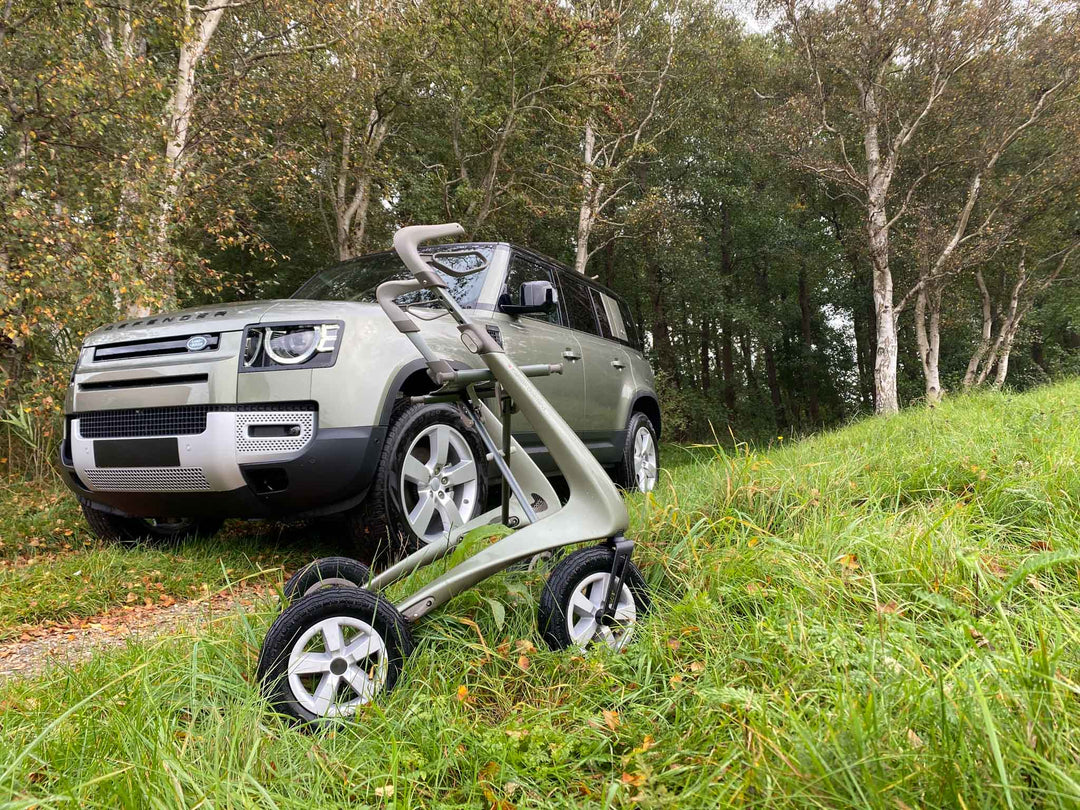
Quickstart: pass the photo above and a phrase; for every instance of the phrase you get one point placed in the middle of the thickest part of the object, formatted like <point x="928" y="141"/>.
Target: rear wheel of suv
<point x="130" y="530"/>
<point x="640" y="466"/>
<point x="431" y="479"/>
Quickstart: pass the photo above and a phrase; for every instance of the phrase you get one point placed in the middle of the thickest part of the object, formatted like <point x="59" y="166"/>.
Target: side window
<point x="601" y="314"/>
<point x="520" y="271"/>
<point x="611" y="319"/>
<point x="631" y="328"/>
<point x="577" y="298"/>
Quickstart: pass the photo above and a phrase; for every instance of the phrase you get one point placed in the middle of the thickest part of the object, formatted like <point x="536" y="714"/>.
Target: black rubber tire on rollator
<point x="564" y="581"/>
<point x="371" y="608"/>
<point x="326" y="572"/>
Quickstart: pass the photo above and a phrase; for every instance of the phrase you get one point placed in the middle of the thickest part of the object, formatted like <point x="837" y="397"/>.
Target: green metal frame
<point x="594" y="510"/>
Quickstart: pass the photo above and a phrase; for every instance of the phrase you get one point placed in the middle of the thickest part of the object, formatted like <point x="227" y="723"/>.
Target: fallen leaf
<point x="462" y="692"/>
<point x="611" y="719"/>
<point x="889" y="607"/>
<point x="849" y="561"/>
<point x="523" y="662"/>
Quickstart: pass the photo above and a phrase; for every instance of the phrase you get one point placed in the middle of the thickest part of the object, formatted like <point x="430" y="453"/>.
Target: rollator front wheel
<point x="330" y="653"/>
<point x="572" y="597"/>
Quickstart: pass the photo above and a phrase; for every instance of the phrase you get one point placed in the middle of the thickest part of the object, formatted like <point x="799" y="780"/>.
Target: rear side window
<point x="631" y="328"/>
<point x="577" y="298"/>
<point x="521" y="269"/>
<point x="609" y="317"/>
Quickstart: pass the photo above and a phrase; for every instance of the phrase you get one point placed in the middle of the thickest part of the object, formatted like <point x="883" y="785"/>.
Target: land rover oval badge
<point x="196" y="343"/>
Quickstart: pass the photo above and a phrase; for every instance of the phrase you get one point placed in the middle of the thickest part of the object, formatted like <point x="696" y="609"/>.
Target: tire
<point x="635" y="472"/>
<point x="335" y="685"/>
<point x="381" y="529"/>
<point x="587" y="573"/>
<point x="130" y="531"/>
<point x="326" y="572"/>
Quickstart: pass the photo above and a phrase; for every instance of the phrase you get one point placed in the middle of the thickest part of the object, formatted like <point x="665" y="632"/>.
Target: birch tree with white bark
<point x="878" y="72"/>
<point x="633" y="101"/>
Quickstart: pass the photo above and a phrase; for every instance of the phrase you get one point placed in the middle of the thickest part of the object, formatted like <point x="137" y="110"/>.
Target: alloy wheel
<point x="439" y="487"/>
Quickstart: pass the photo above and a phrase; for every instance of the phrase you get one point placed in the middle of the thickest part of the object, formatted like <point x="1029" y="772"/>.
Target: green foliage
<point x="315" y="130"/>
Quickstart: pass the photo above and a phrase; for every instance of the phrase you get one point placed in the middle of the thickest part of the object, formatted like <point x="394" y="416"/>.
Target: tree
<point x="879" y="71"/>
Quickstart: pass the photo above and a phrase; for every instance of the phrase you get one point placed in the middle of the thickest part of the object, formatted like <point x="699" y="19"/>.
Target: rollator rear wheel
<point x="326" y="572"/>
<point x="574" y="593"/>
<point x="332" y="652"/>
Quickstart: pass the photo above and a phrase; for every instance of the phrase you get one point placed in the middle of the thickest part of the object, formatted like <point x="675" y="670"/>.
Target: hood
<point x="191" y="321"/>
<point x="227" y="318"/>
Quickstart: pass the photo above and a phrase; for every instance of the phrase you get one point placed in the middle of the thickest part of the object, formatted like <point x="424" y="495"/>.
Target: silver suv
<point x="302" y="407"/>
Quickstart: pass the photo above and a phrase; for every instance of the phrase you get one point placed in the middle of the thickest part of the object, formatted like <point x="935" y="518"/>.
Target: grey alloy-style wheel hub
<point x="585" y="603"/>
<point x="439" y="486"/>
<point x="336" y="666"/>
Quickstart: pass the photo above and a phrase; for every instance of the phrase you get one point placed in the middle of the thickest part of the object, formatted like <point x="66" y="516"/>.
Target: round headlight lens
<point x="292" y="346"/>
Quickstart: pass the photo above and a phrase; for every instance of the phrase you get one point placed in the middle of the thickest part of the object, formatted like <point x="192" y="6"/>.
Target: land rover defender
<point x="302" y="407"/>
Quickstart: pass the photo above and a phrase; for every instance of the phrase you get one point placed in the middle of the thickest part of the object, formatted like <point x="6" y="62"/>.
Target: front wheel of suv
<point x="431" y="479"/>
<point x="160" y="531"/>
<point x="639" y="469"/>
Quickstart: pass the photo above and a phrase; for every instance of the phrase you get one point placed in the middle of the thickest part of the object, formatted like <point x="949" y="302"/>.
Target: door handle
<point x="618" y="364"/>
<point x="571" y="355"/>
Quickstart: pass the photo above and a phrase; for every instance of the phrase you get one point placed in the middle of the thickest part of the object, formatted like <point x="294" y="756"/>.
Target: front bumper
<point x="244" y="461"/>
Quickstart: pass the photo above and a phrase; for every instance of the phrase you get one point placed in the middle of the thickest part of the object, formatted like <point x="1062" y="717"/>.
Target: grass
<point x="884" y="616"/>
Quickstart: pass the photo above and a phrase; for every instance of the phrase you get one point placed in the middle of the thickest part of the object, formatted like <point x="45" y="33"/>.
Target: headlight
<point x="307" y="345"/>
<point x="292" y="346"/>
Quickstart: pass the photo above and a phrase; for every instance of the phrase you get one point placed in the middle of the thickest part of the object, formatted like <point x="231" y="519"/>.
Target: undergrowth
<point x="884" y="616"/>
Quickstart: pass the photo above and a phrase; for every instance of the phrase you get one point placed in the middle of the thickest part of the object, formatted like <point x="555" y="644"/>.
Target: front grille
<point x="148" y="479"/>
<point x="186" y="420"/>
<point x="155" y="347"/>
<point x="180" y="420"/>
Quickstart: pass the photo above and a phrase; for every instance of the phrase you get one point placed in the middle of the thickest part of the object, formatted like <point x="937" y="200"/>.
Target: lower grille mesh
<point x="148" y="479"/>
<point x="186" y="420"/>
<point x="180" y="420"/>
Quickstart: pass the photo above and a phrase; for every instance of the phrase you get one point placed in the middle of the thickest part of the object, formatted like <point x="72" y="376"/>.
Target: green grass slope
<point x="886" y="616"/>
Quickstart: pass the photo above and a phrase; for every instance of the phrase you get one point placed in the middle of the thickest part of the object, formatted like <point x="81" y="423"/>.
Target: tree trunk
<point x="587" y="209"/>
<point x="748" y="360"/>
<point x="987" y="330"/>
<point x="352" y="187"/>
<point x="808" y="375"/>
<point x="928" y="339"/>
<point x="665" y="354"/>
<point x="727" y="364"/>
<point x="706" y="329"/>
<point x="774" y="387"/>
<point x="877" y="225"/>
<point x="178" y="115"/>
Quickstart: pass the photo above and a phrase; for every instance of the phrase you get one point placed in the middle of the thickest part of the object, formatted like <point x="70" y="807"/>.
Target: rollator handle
<point x="407" y="243"/>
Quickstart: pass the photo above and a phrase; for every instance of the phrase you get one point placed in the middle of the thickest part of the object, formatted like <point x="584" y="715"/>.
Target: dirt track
<point x="39" y="648"/>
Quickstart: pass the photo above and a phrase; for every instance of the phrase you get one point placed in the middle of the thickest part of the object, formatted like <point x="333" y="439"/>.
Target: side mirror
<point x="535" y="297"/>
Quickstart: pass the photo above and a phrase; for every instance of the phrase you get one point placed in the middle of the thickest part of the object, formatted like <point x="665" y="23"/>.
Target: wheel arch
<point x="411" y="380"/>
<point x="646" y="402"/>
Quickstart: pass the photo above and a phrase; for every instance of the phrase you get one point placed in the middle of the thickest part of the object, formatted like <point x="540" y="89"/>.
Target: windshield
<point x="357" y="280"/>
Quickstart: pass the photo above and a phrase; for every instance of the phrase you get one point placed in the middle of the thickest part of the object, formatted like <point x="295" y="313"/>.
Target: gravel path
<point x="39" y="648"/>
